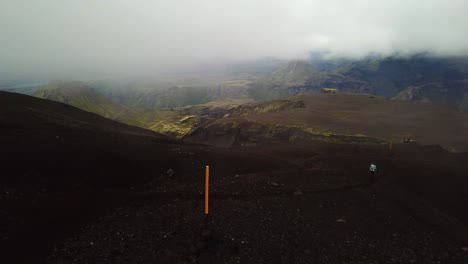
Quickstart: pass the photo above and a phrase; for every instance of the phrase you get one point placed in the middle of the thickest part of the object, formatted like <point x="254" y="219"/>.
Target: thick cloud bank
<point x="89" y="37"/>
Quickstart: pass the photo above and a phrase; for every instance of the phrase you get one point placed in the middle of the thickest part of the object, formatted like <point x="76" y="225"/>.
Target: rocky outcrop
<point x="412" y="94"/>
<point x="264" y="107"/>
<point x="454" y="94"/>
<point x="238" y="131"/>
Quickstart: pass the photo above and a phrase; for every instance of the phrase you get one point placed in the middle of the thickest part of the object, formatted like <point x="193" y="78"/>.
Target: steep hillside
<point x="279" y="83"/>
<point x="61" y="144"/>
<point x="79" y="95"/>
<point x="389" y="76"/>
<point x="161" y="95"/>
<point x="348" y="118"/>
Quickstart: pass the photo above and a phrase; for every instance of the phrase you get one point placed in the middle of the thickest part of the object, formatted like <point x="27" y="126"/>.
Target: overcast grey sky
<point x="72" y="38"/>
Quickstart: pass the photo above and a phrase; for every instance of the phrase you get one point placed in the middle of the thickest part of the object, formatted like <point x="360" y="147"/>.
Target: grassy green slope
<point x="172" y="123"/>
<point x="177" y="93"/>
<point x="295" y="73"/>
<point x="81" y="96"/>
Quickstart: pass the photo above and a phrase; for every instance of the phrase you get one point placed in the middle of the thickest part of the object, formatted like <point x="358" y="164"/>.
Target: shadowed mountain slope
<point x="60" y="162"/>
<point x="62" y="142"/>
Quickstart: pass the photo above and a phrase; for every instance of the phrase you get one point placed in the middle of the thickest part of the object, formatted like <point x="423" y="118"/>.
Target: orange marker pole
<point x="207" y="182"/>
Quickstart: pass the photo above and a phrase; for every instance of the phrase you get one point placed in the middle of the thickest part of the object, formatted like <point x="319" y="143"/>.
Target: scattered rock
<point x="206" y="233"/>
<point x="193" y="259"/>
<point x="197" y="245"/>
<point x="341" y="220"/>
<point x="170" y="172"/>
<point x="465" y="249"/>
<point x="274" y="184"/>
<point x="193" y="248"/>
<point x="298" y="192"/>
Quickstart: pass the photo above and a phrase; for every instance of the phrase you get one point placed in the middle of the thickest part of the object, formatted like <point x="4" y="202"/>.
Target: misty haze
<point x="261" y="131"/>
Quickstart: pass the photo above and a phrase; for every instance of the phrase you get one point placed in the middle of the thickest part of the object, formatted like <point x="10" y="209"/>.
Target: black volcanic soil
<point x="77" y="188"/>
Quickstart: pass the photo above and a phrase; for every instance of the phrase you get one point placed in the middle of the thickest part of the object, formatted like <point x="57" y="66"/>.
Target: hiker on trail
<point x="372" y="169"/>
<point x="372" y="172"/>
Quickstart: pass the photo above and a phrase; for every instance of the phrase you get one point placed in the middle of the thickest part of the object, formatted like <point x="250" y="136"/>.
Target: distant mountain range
<point x="379" y="76"/>
<point x="179" y="108"/>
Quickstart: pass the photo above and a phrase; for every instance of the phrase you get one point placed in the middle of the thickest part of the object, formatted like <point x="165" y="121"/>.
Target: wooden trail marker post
<point x="207" y="182"/>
